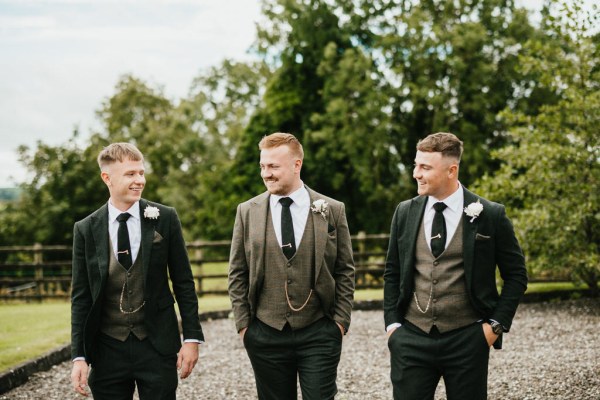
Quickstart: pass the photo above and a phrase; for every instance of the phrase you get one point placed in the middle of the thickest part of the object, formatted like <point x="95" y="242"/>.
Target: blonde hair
<point x="282" y="139"/>
<point x="442" y="142"/>
<point x="118" y="152"/>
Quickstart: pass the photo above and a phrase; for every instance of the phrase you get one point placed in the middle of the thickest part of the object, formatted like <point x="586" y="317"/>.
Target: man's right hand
<point x="79" y="377"/>
<point x="389" y="333"/>
<point x="243" y="332"/>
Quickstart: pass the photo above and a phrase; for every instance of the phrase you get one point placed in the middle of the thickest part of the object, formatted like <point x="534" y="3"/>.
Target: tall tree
<point x="551" y="169"/>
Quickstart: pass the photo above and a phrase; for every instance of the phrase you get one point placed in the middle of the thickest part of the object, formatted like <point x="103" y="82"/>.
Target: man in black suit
<point x="441" y="307"/>
<point x="123" y="322"/>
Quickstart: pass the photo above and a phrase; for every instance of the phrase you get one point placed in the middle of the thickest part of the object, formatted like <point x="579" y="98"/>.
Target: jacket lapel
<point x="469" y="233"/>
<point x="101" y="238"/>
<point x="148" y="229"/>
<point x="320" y="230"/>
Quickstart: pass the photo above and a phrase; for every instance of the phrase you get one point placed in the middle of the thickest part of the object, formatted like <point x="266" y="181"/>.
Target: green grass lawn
<point x="30" y="330"/>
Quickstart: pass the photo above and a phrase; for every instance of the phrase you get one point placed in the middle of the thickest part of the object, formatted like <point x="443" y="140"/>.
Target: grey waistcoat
<point x="298" y="272"/>
<point x="443" y="278"/>
<point x="115" y="323"/>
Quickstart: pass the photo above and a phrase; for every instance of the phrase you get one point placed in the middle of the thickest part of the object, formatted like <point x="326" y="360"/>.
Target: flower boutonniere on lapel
<point x="473" y="210"/>
<point x="320" y="206"/>
<point x="151" y="212"/>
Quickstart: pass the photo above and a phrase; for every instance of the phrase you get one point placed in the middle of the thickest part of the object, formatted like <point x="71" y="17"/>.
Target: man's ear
<point x="297" y="165"/>
<point x="105" y="178"/>
<point x="453" y="171"/>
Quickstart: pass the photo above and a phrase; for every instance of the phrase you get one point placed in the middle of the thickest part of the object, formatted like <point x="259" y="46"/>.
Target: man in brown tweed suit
<point x="291" y="278"/>
<point x="441" y="306"/>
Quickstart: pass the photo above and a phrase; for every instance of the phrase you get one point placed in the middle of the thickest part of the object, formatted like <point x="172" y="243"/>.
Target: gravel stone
<point x="551" y="352"/>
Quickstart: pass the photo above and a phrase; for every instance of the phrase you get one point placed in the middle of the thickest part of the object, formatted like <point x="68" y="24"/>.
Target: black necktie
<point x="124" y="248"/>
<point x="288" y="242"/>
<point x="438" y="230"/>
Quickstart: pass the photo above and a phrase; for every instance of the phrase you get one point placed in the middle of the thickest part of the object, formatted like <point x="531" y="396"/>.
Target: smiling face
<point x="125" y="181"/>
<point x="280" y="170"/>
<point x="436" y="175"/>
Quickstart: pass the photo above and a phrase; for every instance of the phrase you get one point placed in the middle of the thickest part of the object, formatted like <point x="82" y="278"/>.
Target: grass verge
<point x="29" y="330"/>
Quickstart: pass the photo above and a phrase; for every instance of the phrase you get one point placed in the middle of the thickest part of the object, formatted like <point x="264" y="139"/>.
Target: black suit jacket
<point x="162" y="249"/>
<point x="488" y="242"/>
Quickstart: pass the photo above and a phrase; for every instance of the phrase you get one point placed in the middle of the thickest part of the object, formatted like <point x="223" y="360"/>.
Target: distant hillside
<point x="9" y="194"/>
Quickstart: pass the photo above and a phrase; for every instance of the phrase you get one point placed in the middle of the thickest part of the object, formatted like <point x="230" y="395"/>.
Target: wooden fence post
<point x="38" y="259"/>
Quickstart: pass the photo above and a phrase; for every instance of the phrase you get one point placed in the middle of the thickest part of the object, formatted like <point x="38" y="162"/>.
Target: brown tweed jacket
<point x="334" y="265"/>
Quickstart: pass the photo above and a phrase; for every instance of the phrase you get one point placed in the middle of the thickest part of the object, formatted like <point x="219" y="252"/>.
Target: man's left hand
<point x="490" y="336"/>
<point x="187" y="358"/>
<point x="341" y="328"/>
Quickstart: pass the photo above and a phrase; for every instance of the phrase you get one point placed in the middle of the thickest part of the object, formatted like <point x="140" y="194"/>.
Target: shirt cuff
<point x="78" y="359"/>
<point x="395" y="325"/>
<point x="193" y="341"/>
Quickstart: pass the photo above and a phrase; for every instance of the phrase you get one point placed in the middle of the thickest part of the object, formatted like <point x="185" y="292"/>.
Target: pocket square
<point x="330" y="228"/>
<point x="479" y="236"/>
<point x="157" y="237"/>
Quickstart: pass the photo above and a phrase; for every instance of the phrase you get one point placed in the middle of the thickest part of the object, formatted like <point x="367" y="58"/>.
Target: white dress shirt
<point x="134" y="227"/>
<point x="299" y="210"/>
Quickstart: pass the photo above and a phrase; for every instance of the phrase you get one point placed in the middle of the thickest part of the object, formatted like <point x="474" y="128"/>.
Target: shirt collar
<point x="454" y="202"/>
<point x="114" y="212"/>
<point x="300" y="197"/>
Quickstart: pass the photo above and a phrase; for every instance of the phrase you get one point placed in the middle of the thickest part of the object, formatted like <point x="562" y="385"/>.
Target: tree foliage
<point x="359" y="82"/>
<point x="551" y="169"/>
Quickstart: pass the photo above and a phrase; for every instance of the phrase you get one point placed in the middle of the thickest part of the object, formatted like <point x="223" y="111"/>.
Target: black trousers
<point x="280" y="358"/>
<point x="119" y="366"/>
<point x="418" y="360"/>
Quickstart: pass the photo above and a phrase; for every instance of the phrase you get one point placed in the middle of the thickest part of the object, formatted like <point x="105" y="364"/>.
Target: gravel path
<point x="552" y="352"/>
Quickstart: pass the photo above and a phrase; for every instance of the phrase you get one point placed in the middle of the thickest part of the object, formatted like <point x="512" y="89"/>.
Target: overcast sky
<point x="60" y="59"/>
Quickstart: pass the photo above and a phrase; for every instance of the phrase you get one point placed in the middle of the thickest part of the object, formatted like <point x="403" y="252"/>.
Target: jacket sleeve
<point x="239" y="276"/>
<point x="344" y="272"/>
<point x="391" y="275"/>
<point x="81" y="295"/>
<point x="182" y="279"/>
<point x="511" y="264"/>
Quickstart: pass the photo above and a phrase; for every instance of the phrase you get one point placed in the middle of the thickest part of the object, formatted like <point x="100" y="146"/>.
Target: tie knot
<point x="439" y="207"/>
<point x="123" y="217"/>
<point x="286" y="201"/>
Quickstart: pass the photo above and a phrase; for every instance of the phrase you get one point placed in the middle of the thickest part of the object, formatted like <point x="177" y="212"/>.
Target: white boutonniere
<point x="473" y="210"/>
<point x="151" y="212"/>
<point x="320" y="206"/>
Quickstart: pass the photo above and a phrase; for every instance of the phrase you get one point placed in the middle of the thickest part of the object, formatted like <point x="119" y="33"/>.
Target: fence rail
<point x="44" y="271"/>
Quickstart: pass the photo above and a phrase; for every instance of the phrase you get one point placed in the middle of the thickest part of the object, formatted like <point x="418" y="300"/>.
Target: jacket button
<point x="289" y="281"/>
<point x="435" y="281"/>
<point x="287" y="314"/>
<point x="436" y="263"/>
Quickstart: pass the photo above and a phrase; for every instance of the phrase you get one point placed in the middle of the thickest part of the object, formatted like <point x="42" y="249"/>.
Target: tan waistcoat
<point x="440" y="287"/>
<point x="298" y="272"/>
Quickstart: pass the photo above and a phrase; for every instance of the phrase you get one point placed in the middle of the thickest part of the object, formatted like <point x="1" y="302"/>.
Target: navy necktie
<point x="123" y="246"/>
<point x="438" y="230"/>
<point x="288" y="241"/>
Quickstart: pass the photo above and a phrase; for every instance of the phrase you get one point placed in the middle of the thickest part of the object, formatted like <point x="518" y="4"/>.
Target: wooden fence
<point x="44" y="272"/>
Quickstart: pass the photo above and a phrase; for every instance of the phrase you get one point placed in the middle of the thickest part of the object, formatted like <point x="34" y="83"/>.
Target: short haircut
<point x="119" y="152"/>
<point x="282" y="139"/>
<point x="442" y="142"/>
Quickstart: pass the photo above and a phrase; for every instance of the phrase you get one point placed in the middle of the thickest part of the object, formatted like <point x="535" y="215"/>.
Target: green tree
<point x="63" y="189"/>
<point x="551" y="169"/>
